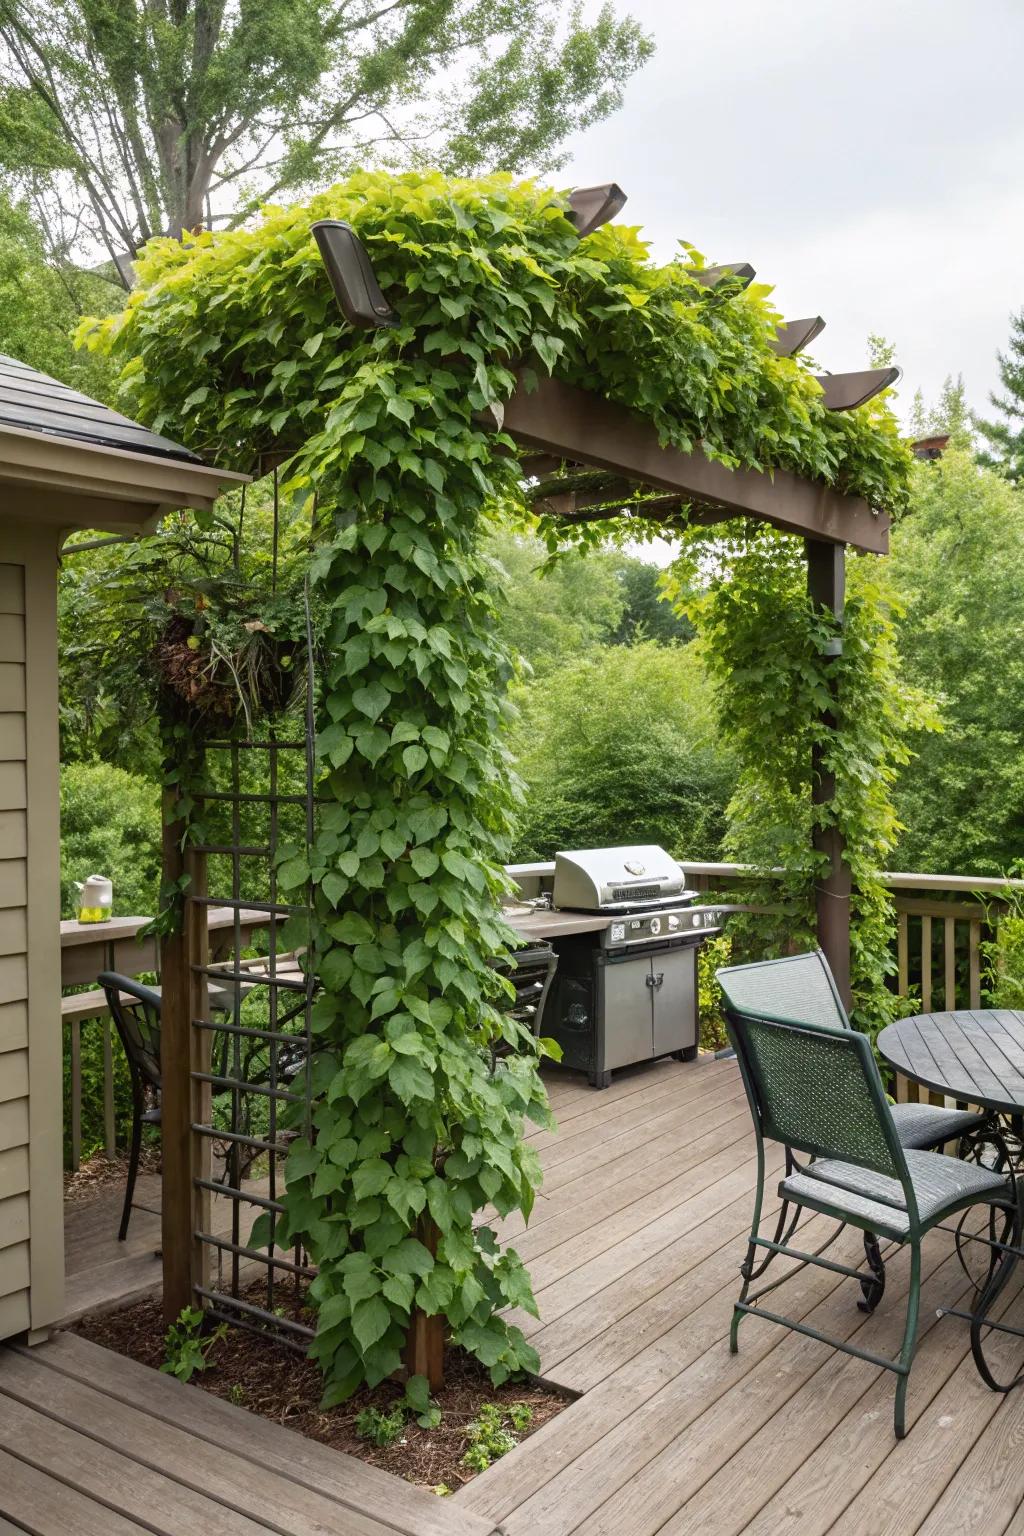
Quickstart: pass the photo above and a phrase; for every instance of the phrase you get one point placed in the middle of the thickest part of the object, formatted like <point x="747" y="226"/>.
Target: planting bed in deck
<point x="280" y="1384"/>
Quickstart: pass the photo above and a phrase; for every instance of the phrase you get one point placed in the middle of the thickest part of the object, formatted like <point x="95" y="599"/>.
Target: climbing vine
<point x="234" y="344"/>
<point x="769" y="650"/>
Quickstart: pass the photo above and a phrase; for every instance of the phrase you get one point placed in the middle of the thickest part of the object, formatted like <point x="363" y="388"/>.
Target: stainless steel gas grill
<point x="626" y="930"/>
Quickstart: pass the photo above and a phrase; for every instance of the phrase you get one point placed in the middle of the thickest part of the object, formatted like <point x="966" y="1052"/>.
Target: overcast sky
<point x="867" y="157"/>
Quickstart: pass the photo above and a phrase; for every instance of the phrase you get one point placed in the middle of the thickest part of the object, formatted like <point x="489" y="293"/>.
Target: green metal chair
<point x="815" y="1088"/>
<point x="801" y="989"/>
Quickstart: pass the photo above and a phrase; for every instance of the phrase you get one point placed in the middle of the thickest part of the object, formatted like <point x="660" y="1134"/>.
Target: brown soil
<point x="273" y="1380"/>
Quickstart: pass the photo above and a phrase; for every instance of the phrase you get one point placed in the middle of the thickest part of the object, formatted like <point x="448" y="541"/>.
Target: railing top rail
<point x="897" y="880"/>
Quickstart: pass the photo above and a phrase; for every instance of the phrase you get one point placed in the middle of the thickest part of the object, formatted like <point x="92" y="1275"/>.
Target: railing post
<point x="183" y="1256"/>
<point x="826" y="585"/>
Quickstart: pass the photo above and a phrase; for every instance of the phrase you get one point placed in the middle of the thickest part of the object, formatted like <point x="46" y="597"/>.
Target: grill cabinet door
<point x="628" y="1011"/>
<point x="675" y="999"/>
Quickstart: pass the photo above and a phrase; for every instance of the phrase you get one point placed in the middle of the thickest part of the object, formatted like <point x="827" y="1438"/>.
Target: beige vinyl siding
<point x="15" y="1307"/>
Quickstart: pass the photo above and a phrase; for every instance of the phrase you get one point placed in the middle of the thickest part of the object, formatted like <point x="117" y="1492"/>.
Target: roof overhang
<point x="72" y="484"/>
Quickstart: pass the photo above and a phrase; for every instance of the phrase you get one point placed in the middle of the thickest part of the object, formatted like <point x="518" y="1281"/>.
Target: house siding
<point x="15" y="1310"/>
<point x="31" y="1235"/>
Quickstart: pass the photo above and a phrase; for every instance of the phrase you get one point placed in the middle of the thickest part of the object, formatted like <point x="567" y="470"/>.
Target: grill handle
<point x="655" y="979"/>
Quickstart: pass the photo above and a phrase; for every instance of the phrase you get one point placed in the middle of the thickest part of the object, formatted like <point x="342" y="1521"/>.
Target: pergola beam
<point x="565" y="422"/>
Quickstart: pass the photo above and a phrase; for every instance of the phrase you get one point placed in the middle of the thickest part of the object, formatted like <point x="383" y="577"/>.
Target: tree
<point x="646" y="613"/>
<point x="1006" y="437"/>
<point x="129" y="120"/>
<point x="957" y="561"/>
<point x="950" y="416"/>
<point x="557" y="611"/>
<point x="623" y="746"/>
<point x="40" y="306"/>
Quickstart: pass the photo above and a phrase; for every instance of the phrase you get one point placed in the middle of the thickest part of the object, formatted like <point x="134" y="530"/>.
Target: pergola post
<point x="826" y="585"/>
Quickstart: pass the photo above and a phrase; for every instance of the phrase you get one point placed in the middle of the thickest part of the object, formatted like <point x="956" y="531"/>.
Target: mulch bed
<point x="280" y="1384"/>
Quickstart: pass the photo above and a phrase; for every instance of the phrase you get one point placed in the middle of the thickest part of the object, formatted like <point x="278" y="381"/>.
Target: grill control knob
<point x="696" y="919"/>
<point x="673" y="922"/>
<point x="655" y="926"/>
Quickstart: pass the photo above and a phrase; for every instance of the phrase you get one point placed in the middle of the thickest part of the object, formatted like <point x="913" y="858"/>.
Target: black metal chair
<point x="531" y="972"/>
<point x="137" y="1021"/>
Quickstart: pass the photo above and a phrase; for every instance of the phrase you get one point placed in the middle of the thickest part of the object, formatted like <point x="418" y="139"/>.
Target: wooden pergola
<point x="589" y="459"/>
<point x="592" y="459"/>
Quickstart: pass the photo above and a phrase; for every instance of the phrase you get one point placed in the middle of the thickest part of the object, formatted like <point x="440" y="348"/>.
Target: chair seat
<point x="928" y="1125"/>
<point x="865" y="1197"/>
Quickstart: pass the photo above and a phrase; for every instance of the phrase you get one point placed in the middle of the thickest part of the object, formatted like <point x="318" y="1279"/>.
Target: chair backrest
<point x="531" y="971"/>
<point x="137" y="1023"/>
<point x="798" y="989"/>
<point x="816" y="1088"/>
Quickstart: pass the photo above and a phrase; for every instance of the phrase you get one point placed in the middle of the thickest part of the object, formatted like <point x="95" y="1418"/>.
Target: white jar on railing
<point x="95" y="899"/>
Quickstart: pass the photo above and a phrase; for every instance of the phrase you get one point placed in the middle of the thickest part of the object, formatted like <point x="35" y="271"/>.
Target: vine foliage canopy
<point x="233" y="343"/>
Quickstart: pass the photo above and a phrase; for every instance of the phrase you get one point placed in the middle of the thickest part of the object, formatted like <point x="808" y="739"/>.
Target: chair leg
<point x="134" y="1154"/>
<point x="874" y="1287"/>
<point x="906" y="1357"/>
<point x="999" y="1273"/>
<point x="750" y="1269"/>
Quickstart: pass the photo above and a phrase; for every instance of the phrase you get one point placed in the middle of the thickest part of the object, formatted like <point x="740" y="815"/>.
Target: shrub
<point x="622" y="746"/>
<point x="110" y="825"/>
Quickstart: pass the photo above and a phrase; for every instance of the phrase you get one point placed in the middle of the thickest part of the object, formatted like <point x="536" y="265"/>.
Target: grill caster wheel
<point x="601" y="1079"/>
<point x="689" y="1053"/>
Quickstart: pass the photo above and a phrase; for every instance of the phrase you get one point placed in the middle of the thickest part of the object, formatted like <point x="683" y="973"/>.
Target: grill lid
<point x="593" y="879"/>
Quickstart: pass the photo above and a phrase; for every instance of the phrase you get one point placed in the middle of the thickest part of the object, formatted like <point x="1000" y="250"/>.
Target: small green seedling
<point x="236" y="1393"/>
<point x="441" y="1489"/>
<point x="186" y="1348"/>
<point x="520" y="1416"/>
<point x="381" y="1429"/>
<point x="488" y="1437"/>
<point x="417" y="1401"/>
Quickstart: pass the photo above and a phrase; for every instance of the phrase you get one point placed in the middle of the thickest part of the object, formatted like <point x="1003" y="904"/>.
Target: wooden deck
<point x="100" y="1272"/>
<point x="634" y="1252"/>
<point x="634" y="1249"/>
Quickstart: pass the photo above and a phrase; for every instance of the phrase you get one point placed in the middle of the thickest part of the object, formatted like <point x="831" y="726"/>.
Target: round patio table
<point x="974" y="1055"/>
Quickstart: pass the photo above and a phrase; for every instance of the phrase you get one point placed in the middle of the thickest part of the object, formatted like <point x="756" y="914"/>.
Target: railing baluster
<point x="926" y="963"/>
<point x="109" y="1127"/>
<point x="949" y="955"/>
<point x="76" y="1094"/>
<point x="974" y="963"/>
<point x="902" y="953"/>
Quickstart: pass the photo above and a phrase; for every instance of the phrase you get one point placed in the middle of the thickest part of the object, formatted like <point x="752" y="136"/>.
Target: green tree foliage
<point x="41" y="304"/>
<point x="624" y="746"/>
<point x="767" y="649"/>
<point x="110" y="824"/>
<point x="553" y="611"/>
<point x="234" y="344"/>
<point x="1005" y="434"/>
<point x="958" y="563"/>
<point x="950" y="416"/>
<point x="646" y="614"/>
<point x="132" y="120"/>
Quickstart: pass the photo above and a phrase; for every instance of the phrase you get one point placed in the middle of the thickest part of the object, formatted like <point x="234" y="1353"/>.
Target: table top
<point x="975" y="1055"/>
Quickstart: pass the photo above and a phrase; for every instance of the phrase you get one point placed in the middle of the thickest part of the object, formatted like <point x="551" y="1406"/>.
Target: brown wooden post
<point x="424" y="1342"/>
<point x="182" y="1206"/>
<point x="826" y="583"/>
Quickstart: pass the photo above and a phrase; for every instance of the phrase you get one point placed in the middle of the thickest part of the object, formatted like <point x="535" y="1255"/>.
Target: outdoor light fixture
<point x="352" y="278"/>
<point x="712" y="276"/>
<point x="590" y="207"/>
<point x="845" y="390"/>
<point x="793" y="336"/>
